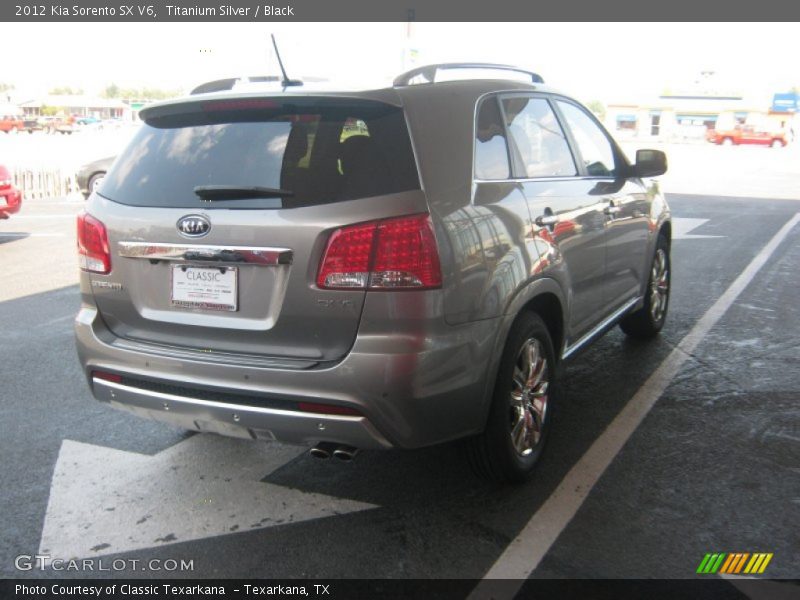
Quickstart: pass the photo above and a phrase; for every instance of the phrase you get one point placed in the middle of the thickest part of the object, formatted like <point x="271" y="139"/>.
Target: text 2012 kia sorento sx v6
<point x="388" y="268"/>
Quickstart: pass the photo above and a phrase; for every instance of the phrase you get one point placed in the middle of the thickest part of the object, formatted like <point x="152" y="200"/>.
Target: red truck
<point x="9" y="123"/>
<point x="746" y="134"/>
<point x="10" y="197"/>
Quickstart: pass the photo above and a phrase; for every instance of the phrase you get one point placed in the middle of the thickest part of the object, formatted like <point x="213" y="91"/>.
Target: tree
<point x="145" y="93"/>
<point x="66" y="91"/>
<point x="111" y="91"/>
<point x="6" y="87"/>
<point x="597" y="108"/>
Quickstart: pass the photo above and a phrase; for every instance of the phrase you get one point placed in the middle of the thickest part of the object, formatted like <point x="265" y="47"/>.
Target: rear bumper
<point x="412" y="390"/>
<point x="237" y="420"/>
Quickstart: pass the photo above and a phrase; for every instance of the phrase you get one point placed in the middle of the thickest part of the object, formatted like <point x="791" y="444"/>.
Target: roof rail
<point x="428" y="72"/>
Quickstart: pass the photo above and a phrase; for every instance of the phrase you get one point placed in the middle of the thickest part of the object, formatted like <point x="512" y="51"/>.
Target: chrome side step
<point x="600" y="327"/>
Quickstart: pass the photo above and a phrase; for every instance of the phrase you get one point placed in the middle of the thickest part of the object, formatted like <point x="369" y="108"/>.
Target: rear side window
<point x="541" y="145"/>
<point x="595" y="148"/>
<point x="320" y="150"/>
<point x="491" y="147"/>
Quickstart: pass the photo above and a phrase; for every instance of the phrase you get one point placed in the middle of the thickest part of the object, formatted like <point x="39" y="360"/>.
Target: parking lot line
<point x="17" y="234"/>
<point x="526" y="551"/>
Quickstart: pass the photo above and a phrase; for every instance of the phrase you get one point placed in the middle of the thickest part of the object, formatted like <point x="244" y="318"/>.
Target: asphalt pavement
<point x="713" y="467"/>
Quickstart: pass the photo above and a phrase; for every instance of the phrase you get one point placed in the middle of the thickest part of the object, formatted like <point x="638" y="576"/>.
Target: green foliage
<point x="66" y="91"/>
<point x="6" y="87"/>
<point x="598" y="108"/>
<point x="144" y="93"/>
<point x="49" y="111"/>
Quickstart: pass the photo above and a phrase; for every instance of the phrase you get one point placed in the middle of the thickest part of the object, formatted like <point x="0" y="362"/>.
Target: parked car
<point x="90" y="175"/>
<point x="31" y="124"/>
<point x="57" y="125"/>
<point x="250" y="268"/>
<point x="747" y="134"/>
<point x="10" y="124"/>
<point x="10" y="196"/>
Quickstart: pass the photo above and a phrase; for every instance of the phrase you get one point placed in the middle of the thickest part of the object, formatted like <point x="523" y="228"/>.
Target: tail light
<point x="391" y="254"/>
<point x="93" y="249"/>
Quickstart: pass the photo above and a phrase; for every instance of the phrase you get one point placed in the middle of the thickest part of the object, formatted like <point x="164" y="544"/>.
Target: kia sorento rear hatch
<point x="229" y="224"/>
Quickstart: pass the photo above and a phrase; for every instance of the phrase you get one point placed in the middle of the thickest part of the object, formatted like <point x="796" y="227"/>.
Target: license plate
<point x="208" y="288"/>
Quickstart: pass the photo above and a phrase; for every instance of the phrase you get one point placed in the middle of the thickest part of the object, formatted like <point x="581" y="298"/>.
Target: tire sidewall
<point x="514" y="467"/>
<point x="661" y="244"/>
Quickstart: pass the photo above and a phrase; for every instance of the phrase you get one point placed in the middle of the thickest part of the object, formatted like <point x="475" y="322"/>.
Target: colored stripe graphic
<point x="703" y="563"/>
<point x="741" y="562"/>
<point x="767" y="558"/>
<point x="727" y="564"/>
<point x="711" y="563"/>
<point x="734" y="563"/>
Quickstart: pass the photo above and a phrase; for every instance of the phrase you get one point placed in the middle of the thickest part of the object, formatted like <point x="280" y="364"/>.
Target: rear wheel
<point x="648" y="320"/>
<point x="95" y="181"/>
<point x="727" y="141"/>
<point x="777" y="144"/>
<point x="522" y="405"/>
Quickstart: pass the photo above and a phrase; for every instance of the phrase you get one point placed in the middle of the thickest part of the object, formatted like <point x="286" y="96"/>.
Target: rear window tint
<point x="321" y="151"/>
<point x="491" y="147"/>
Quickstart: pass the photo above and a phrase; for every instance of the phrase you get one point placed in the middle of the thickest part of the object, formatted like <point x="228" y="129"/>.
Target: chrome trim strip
<point x="235" y="255"/>
<point x="571" y="349"/>
<point x="215" y="357"/>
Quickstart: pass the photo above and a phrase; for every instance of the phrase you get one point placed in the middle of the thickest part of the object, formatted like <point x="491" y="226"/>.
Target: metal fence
<point x="38" y="184"/>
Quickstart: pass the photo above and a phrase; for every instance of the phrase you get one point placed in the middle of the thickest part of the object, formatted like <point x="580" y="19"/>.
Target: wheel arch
<point x="543" y="296"/>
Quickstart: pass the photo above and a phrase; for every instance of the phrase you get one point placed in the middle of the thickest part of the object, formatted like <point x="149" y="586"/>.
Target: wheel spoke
<point x="519" y="379"/>
<point x="518" y="434"/>
<point x="537" y="378"/>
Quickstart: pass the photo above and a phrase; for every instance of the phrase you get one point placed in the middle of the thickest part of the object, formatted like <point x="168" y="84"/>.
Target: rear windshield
<point x="318" y="150"/>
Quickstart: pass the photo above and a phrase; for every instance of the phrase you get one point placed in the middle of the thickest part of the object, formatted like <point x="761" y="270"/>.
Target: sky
<point x="610" y="62"/>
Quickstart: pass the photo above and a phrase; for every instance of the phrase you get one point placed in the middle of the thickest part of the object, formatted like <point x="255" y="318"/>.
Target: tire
<point x="646" y="322"/>
<point x="776" y="144"/>
<point x="522" y="403"/>
<point x="94" y="182"/>
<point x="727" y="141"/>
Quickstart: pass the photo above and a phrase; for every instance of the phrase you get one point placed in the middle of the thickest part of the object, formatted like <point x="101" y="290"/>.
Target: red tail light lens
<point x="346" y="260"/>
<point x="93" y="249"/>
<point x="112" y="377"/>
<point x="391" y="254"/>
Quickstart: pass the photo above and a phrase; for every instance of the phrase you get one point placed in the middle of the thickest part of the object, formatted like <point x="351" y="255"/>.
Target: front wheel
<point x="648" y="320"/>
<point x="522" y="405"/>
<point x="777" y="144"/>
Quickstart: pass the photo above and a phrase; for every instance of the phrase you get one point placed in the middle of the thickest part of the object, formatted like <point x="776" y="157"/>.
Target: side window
<point x="542" y="148"/>
<point x="491" y="147"/>
<point x="595" y="149"/>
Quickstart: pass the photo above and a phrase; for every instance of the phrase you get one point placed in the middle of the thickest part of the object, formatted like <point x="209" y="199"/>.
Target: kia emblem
<point x="193" y="226"/>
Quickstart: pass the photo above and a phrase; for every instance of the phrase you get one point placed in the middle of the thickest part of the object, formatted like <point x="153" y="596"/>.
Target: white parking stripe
<point x="53" y="216"/>
<point x="22" y="235"/>
<point x="525" y="553"/>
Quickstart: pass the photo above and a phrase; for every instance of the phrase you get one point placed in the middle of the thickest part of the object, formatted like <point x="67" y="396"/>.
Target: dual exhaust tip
<point x="329" y="449"/>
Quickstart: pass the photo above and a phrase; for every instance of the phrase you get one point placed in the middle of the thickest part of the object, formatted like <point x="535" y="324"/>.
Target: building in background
<point x="76" y="106"/>
<point x="703" y="105"/>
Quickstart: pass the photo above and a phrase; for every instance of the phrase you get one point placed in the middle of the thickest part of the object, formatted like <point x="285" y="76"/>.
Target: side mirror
<point x="649" y="163"/>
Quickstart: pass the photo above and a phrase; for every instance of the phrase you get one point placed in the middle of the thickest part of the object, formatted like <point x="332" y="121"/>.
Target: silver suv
<point x="391" y="268"/>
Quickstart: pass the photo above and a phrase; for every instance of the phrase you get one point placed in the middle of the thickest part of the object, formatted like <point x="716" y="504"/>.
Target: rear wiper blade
<point x="239" y="192"/>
